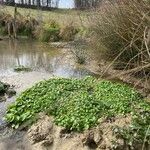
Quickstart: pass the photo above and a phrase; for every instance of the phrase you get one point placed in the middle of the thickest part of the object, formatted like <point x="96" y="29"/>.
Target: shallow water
<point x="44" y="61"/>
<point x="38" y="57"/>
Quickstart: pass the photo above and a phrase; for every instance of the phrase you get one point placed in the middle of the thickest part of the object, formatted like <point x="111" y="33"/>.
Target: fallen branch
<point x="137" y="69"/>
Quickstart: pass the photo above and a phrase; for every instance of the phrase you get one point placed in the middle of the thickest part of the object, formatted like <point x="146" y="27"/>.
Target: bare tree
<point x="80" y="4"/>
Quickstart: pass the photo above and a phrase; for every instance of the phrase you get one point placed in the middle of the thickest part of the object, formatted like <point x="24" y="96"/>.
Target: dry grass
<point x="63" y="17"/>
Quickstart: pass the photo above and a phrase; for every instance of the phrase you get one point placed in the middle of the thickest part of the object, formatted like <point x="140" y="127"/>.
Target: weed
<point x="76" y="104"/>
<point x="138" y="132"/>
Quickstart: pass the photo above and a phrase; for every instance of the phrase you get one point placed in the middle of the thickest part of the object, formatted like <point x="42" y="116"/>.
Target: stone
<point x="2" y="89"/>
<point x="2" y="98"/>
<point x="10" y="92"/>
<point x="6" y="86"/>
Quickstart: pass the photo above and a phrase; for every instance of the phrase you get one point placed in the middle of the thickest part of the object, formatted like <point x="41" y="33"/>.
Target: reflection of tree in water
<point x="13" y="53"/>
<point x="13" y="47"/>
<point x="30" y="54"/>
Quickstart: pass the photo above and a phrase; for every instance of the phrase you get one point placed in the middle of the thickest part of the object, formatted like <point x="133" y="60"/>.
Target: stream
<point x="45" y="62"/>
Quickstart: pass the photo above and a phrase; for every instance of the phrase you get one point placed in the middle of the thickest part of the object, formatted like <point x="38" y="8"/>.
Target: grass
<point x="60" y="16"/>
<point x="46" y="26"/>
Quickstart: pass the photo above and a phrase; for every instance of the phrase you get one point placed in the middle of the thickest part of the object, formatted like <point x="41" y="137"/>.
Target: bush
<point x="76" y="104"/>
<point x="68" y="32"/>
<point x="3" y="30"/>
<point x="3" y="27"/>
<point x="49" y="32"/>
<point x="123" y="28"/>
<point x="26" y="25"/>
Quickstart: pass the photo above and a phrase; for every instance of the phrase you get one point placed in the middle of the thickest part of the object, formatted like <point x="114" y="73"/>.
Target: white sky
<point x="66" y="3"/>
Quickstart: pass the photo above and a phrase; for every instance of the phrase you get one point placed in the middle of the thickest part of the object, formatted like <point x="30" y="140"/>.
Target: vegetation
<point x="138" y="133"/>
<point x="17" y="24"/>
<point x="68" y="32"/>
<point x="61" y="16"/>
<point x="48" y="32"/>
<point x="120" y="31"/>
<point x="6" y="90"/>
<point x="122" y="27"/>
<point x="3" y="87"/>
<point x="78" y="104"/>
<point x="45" y="31"/>
<point x="63" y="98"/>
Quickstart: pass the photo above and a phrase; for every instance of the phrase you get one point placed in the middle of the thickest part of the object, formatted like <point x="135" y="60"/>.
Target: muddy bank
<point x="9" y="138"/>
<point x="20" y="82"/>
<point x="45" y="135"/>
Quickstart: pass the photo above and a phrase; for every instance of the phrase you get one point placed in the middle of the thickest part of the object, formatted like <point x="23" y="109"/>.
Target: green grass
<point x="76" y="104"/>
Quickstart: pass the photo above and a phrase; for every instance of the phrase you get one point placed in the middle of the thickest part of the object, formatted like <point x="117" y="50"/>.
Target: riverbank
<point x="43" y="26"/>
<point x="8" y="137"/>
<point x="84" y="141"/>
<point x="44" y="134"/>
<point x="62" y="16"/>
<point x="107" y="99"/>
<point x="45" y="61"/>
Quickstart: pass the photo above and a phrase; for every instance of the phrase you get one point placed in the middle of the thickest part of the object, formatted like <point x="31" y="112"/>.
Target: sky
<point x="66" y="3"/>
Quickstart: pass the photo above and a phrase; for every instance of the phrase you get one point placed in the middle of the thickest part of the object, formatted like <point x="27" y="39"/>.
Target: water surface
<point x="38" y="57"/>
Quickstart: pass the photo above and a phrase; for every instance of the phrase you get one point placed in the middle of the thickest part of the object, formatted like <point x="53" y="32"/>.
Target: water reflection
<point x="39" y="57"/>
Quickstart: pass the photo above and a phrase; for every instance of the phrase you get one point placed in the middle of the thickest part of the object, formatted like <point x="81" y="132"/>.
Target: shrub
<point x="3" y="30"/>
<point x="123" y="28"/>
<point x="26" y="25"/>
<point x="68" y="32"/>
<point x="48" y="32"/>
<point x="3" y="27"/>
<point x="76" y="104"/>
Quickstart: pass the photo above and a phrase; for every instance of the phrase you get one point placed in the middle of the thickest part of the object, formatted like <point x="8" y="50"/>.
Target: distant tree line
<point x="37" y="3"/>
<point x="78" y="4"/>
<point x="81" y="4"/>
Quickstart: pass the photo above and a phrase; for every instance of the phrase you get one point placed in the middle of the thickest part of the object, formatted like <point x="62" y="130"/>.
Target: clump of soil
<point x="6" y="91"/>
<point x="45" y="135"/>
